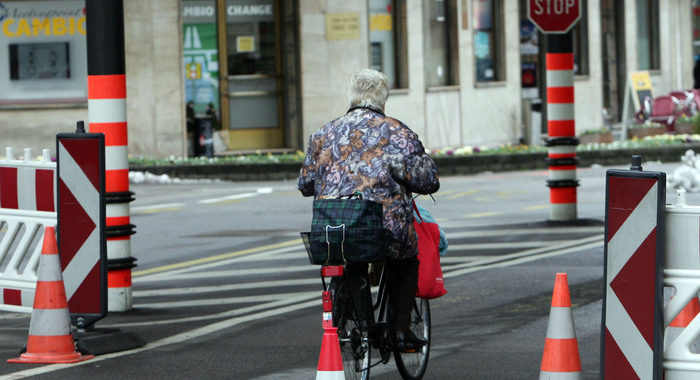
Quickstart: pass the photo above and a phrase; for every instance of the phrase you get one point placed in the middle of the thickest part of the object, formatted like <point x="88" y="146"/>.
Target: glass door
<point x="253" y="75"/>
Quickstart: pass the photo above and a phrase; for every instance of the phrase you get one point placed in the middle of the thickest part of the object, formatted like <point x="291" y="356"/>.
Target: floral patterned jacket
<point x="379" y="156"/>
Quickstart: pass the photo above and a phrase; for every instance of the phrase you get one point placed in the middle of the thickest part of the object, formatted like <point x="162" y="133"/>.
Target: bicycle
<point x="359" y="338"/>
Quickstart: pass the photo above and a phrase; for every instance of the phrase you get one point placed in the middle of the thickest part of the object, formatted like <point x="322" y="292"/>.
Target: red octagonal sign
<point x="554" y="16"/>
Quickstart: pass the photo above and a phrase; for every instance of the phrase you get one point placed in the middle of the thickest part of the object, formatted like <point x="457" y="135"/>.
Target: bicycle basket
<point x="338" y="245"/>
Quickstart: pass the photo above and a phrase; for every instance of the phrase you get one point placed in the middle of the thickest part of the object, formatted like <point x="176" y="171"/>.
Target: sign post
<point x="81" y="225"/>
<point x="632" y="319"/>
<point x="555" y="18"/>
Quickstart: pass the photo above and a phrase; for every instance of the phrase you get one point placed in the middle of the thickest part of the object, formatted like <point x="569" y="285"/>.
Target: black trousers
<point x="402" y="283"/>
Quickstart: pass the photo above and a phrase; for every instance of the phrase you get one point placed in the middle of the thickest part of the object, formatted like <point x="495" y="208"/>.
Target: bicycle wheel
<point x="412" y="365"/>
<point x="354" y="345"/>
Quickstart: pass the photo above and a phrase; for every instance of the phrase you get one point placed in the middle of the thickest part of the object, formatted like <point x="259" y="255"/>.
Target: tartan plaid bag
<point x="346" y="231"/>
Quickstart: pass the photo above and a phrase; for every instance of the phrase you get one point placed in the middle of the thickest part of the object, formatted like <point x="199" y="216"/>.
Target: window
<point x="42" y="59"/>
<point x="439" y="36"/>
<point x="488" y="40"/>
<point x="387" y="35"/>
<point x="648" y="57"/>
<point x="580" y="39"/>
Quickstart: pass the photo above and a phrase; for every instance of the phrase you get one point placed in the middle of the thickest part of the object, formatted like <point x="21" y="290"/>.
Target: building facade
<point x="463" y="72"/>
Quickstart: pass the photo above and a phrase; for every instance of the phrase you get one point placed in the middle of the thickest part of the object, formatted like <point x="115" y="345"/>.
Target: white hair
<point x="368" y="88"/>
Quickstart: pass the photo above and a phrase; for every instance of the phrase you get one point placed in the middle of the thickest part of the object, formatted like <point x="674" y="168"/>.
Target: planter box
<point x="600" y="138"/>
<point x="685" y="128"/>
<point x="642" y="132"/>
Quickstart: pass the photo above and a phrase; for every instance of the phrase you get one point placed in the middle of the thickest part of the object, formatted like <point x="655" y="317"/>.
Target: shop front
<point x="236" y="69"/>
<point x="44" y="55"/>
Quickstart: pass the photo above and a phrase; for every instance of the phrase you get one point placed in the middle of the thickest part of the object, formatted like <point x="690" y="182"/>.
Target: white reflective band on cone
<point x="561" y="323"/>
<point x="49" y="268"/>
<point x="49" y="322"/>
<point x="559" y="375"/>
<point x="330" y="375"/>
<point x="562" y="211"/>
<point x="119" y="299"/>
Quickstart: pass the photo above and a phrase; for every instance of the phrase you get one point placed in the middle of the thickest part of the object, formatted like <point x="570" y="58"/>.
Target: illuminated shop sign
<point x="36" y="19"/>
<point x="43" y="52"/>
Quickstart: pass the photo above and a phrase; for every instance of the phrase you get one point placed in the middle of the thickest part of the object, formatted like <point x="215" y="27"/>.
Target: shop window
<point x="488" y="40"/>
<point x="580" y="39"/>
<point x="440" y="42"/>
<point x="648" y="52"/>
<point x="388" y="41"/>
<point x="42" y="60"/>
<point x="200" y="55"/>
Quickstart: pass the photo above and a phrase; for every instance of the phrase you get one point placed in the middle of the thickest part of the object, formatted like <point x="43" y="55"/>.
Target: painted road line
<point x="264" y="190"/>
<point x="157" y="208"/>
<point x="535" y="251"/>
<point x="219" y="301"/>
<point x="228" y="323"/>
<point x="232" y="273"/>
<point x="178" y="338"/>
<point x="507" y="245"/>
<point x="225" y="199"/>
<point x="299" y="297"/>
<point x="274" y="254"/>
<point x="460" y="195"/>
<point x="484" y="214"/>
<point x="191" y="290"/>
<point x="190" y="263"/>
<point x="523" y="231"/>
<point x="538" y="207"/>
<point x="462" y="259"/>
<point x="519" y="260"/>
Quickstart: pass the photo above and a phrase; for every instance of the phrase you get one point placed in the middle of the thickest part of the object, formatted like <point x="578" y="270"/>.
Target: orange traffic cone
<point x="560" y="359"/>
<point x="681" y="322"/>
<point x="330" y="363"/>
<point x="50" y="339"/>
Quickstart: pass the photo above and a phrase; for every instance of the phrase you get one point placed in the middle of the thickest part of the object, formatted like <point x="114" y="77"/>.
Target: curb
<point x="448" y="165"/>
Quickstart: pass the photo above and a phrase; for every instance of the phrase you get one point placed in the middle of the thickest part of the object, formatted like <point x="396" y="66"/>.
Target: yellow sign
<point x="193" y="70"/>
<point x="54" y="26"/>
<point x="641" y="87"/>
<point x="245" y="44"/>
<point x="380" y="22"/>
<point x="342" y="26"/>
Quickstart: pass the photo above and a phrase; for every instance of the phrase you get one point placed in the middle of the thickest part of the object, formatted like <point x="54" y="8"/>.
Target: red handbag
<point x="431" y="284"/>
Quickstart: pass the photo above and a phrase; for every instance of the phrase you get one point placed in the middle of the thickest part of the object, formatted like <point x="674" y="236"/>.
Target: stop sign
<point x="554" y="16"/>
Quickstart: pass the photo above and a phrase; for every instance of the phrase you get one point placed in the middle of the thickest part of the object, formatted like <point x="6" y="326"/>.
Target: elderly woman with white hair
<point x="368" y="152"/>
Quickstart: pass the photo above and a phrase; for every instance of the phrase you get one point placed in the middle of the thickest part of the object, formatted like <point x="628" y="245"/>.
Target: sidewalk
<point x="449" y="165"/>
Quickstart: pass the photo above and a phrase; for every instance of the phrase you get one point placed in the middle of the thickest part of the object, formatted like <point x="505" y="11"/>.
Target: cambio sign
<point x="43" y="52"/>
<point x="236" y="11"/>
<point x="37" y="18"/>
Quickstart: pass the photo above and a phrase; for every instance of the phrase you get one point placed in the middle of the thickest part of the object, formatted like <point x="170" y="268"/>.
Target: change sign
<point x="554" y="16"/>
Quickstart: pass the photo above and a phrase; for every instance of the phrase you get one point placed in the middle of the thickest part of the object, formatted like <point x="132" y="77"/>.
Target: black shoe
<point x="408" y="341"/>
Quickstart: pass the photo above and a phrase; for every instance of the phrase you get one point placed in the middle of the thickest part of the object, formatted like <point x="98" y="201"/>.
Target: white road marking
<point x="262" y="256"/>
<point x="523" y="231"/>
<point x="224" y="288"/>
<point x="151" y="208"/>
<point x="506" y="245"/>
<point x="509" y="260"/>
<point x="227" y="198"/>
<point x="178" y="338"/>
<point x="218" y="301"/>
<point x="234" y="272"/>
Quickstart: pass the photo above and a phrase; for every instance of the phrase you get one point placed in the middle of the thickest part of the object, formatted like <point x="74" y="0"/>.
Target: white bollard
<point x="682" y="272"/>
<point x="27" y="154"/>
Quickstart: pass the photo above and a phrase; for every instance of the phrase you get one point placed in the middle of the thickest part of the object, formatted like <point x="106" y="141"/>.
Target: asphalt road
<point x="224" y="289"/>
